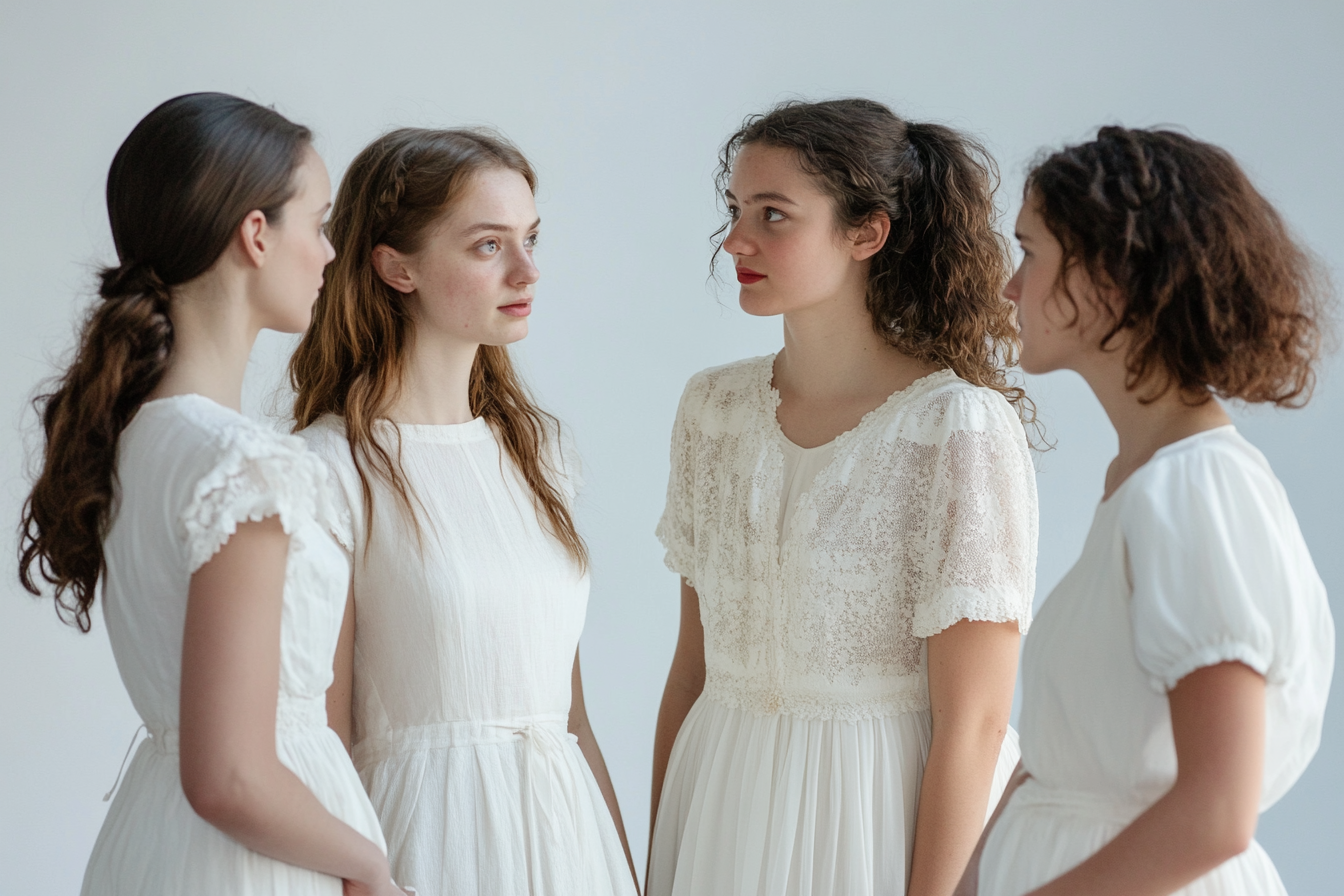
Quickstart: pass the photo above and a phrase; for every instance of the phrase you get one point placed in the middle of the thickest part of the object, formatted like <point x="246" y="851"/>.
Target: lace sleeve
<point x="676" y="529"/>
<point x="258" y="475"/>
<point x="980" y="550"/>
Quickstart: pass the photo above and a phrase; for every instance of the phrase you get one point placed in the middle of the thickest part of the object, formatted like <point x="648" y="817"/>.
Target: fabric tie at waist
<point x="552" y="800"/>
<point x="1079" y="803"/>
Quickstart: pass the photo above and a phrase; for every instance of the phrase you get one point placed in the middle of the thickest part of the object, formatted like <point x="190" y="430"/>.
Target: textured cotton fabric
<point x="1195" y="560"/>
<point x="797" y="770"/>
<point x="465" y="638"/>
<point x="189" y="471"/>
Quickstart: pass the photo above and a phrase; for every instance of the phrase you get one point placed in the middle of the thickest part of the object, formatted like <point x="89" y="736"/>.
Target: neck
<point x="435" y="386"/>
<point x="832" y="350"/>
<point x="213" y="335"/>
<point x="1144" y="428"/>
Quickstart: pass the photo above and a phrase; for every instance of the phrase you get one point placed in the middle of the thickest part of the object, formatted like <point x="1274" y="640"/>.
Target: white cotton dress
<point x="797" y="771"/>
<point x="1195" y="560"/>
<point x="465" y="638"/>
<point x="189" y="471"/>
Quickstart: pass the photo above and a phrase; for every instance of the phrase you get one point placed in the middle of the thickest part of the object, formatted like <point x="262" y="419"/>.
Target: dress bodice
<point x="188" y="471"/>
<point x="924" y="515"/>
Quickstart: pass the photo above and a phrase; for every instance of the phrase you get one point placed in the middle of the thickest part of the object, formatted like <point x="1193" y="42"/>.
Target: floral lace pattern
<point x="926" y="515"/>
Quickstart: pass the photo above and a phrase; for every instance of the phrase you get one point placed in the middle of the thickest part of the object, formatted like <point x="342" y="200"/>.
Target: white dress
<point x="189" y="470"/>
<point x="464" y="647"/>
<point x="797" y="771"/>
<point x="1195" y="560"/>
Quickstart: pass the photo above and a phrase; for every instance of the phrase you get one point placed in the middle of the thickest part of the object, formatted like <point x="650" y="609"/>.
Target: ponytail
<point x="934" y="288"/>
<point x="178" y="188"/>
<point x="123" y="352"/>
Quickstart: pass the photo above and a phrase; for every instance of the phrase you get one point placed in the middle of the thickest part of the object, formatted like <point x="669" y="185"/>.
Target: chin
<point x="758" y="305"/>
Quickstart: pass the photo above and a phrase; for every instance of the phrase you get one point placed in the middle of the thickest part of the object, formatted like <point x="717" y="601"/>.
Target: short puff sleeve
<point x="676" y="529"/>
<point x="257" y="474"/>
<point x="979" y="558"/>
<point x="1202" y="563"/>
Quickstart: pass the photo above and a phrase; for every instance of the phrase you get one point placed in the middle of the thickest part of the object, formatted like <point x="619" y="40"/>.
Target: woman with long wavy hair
<point x="222" y="591"/>
<point x="854" y="523"/>
<point x="458" y="683"/>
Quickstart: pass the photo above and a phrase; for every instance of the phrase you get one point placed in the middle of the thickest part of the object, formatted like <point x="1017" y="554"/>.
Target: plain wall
<point x="622" y="107"/>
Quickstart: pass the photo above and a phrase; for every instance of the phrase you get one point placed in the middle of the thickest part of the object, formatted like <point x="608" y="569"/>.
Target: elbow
<point x="1233" y="836"/>
<point x="222" y="795"/>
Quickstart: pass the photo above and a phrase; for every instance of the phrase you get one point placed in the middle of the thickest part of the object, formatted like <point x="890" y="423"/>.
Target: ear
<point x="254" y="237"/>
<point x="391" y="268"/>
<point x="869" y="237"/>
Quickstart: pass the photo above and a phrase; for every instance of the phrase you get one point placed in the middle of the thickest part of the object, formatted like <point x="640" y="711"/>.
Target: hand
<point x="382" y="885"/>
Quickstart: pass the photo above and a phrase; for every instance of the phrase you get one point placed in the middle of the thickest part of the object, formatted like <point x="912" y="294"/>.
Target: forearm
<point x="268" y="809"/>
<point x="952" y="802"/>
<point x="678" y="698"/>
<point x="593" y="753"/>
<point x="970" y="878"/>
<point x="1181" y="837"/>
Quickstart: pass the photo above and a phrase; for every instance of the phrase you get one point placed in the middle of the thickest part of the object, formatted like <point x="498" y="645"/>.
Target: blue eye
<point x="489" y="247"/>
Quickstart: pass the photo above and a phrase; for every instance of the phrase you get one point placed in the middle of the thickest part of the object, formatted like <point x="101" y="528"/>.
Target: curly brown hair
<point x="178" y="188"/>
<point x="1218" y="298"/>
<point x="934" y="288"/>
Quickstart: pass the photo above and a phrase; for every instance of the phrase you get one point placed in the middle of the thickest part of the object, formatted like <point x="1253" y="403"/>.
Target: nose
<point x="1012" y="290"/>
<point x="737" y="243"/>
<point x="525" y="271"/>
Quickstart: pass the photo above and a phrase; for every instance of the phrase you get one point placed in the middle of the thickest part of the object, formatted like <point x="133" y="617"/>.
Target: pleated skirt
<point x="757" y="804"/>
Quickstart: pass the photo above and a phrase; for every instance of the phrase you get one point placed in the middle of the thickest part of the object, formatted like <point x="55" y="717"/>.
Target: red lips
<point x="747" y="275"/>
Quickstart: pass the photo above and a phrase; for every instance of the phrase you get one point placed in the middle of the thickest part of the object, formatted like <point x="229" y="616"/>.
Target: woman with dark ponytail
<point x="854" y="523"/>
<point x="1175" y="684"/>
<point x="223" y="594"/>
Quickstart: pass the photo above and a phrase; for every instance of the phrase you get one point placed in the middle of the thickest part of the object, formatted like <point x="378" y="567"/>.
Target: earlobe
<point x="390" y="265"/>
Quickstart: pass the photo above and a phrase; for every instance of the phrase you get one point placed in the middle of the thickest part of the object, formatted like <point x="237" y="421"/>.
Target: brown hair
<point x="934" y="287"/>
<point x="351" y="360"/>
<point x="1218" y="297"/>
<point x="178" y="188"/>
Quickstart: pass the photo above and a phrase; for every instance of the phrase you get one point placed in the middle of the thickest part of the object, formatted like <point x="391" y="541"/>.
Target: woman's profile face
<point x="1056" y="334"/>
<point x="292" y="276"/>
<point x="783" y="240"/>
<point x="473" y="279"/>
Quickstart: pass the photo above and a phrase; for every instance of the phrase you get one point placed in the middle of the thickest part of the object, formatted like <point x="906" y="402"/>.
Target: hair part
<point x="1215" y="295"/>
<point x="935" y="287"/>
<point x="178" y="188"/>
<point x="352" y="360"/>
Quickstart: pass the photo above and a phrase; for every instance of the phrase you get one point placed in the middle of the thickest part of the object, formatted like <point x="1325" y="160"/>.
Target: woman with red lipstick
<point x="854" y="522"/>
<point x="457" y="680"/>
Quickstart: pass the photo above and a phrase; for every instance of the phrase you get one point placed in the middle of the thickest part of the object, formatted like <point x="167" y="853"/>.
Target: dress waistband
<point x="541" y="732"/>
<point x="293" y="715"/>
<point x="1080" y="803"/>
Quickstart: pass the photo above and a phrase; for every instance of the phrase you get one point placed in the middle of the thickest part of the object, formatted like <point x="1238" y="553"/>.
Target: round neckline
<point x="168" y="400"/>
<point x="1164" y="450"/>
<point x="474" y="430"/>
<point x="895" y="398"/>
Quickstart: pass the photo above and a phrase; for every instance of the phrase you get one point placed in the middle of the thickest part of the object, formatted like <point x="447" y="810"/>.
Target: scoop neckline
<point x="895" y="398"/>
<point x="1164" y="450"/>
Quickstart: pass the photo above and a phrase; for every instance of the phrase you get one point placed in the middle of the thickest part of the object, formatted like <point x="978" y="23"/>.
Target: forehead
<point x="770" y="169"/>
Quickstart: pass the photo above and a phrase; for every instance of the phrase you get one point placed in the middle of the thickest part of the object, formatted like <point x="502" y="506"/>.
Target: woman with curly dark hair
<point x="854" y="522"/>
<point x="1175" y="680"/>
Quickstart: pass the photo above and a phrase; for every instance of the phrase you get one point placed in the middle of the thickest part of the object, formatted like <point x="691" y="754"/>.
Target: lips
<point x="517" y="309"/>
<point x="747" y="275"/>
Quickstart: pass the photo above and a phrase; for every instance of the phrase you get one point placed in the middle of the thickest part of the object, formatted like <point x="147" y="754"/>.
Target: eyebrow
<point x="503" y="228"/>
<point x="763" y="197"/>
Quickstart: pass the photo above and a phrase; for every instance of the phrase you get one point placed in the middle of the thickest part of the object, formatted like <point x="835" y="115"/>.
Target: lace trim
<point x="907" y="694"/>
<point x="258" y="474"/>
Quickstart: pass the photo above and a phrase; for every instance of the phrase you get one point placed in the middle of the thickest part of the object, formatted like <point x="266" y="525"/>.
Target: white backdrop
<point x="622" y="108"/>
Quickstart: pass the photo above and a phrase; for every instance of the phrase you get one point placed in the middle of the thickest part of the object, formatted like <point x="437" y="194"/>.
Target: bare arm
<point x="230" y="772"/>
<point x="579" y="727"/>
<point x="340" y="696"/>
<point x="1209" y="815"/>
<point x="970" y="879"/>
<point x="972" y="667"/>
<point x="685" y="681"/>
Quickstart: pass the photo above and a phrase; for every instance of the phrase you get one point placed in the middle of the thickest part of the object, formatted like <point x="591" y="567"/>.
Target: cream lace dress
<point x="798" y="769"/>
<point x="1195" y="560"/>
<point x="189" y="471"/>
<point x="465" y="638"/>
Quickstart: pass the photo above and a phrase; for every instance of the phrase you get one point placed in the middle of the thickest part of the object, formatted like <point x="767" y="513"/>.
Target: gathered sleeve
<point x="979" y="559"/>
<point x="676" y="528"/>
<point x="1203" y="567"/>
<point x="257" y="474"/>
